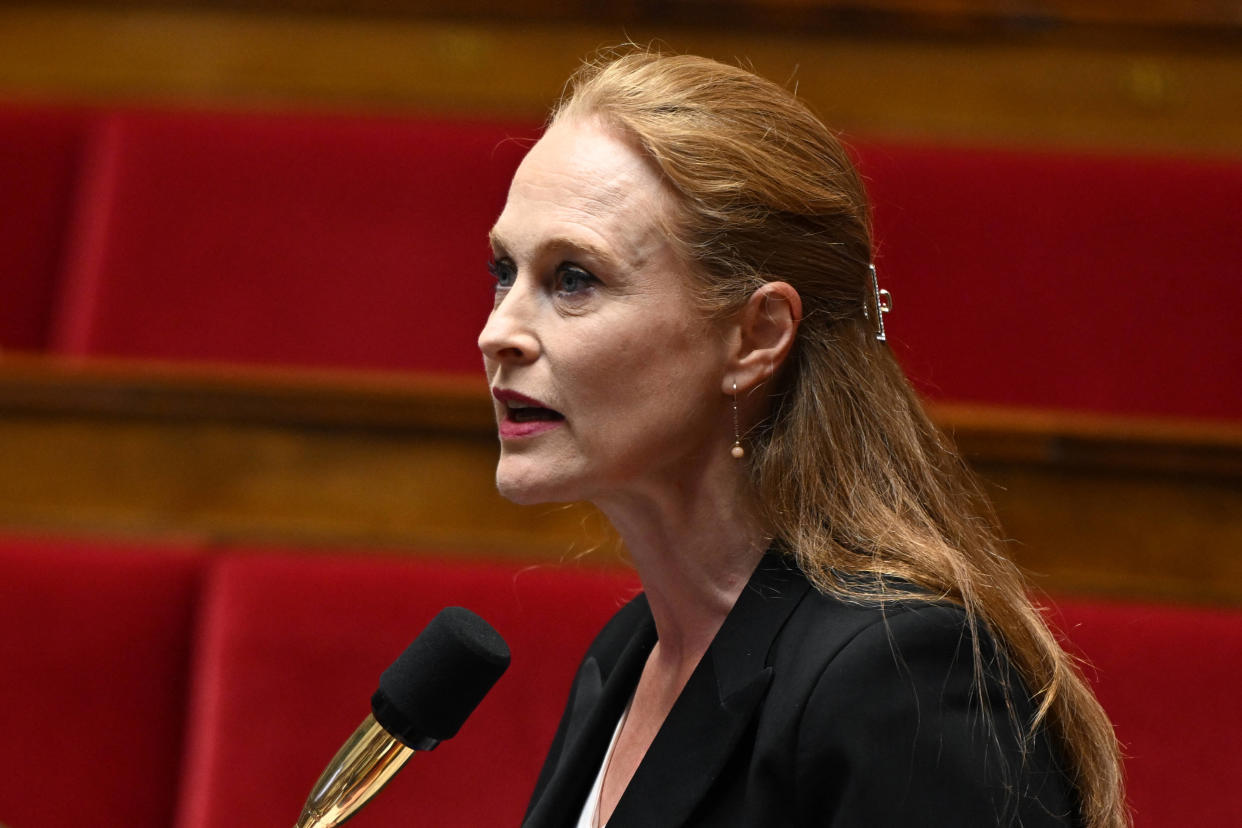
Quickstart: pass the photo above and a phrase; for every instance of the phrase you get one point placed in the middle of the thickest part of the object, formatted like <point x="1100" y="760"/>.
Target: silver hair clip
<point x="883" y="304"/>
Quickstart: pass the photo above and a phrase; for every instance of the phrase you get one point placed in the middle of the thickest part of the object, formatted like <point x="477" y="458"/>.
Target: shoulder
<point x="891" y="659"/>
<point x="827" y="634"/>
<point x="813" y="628"/>
<point x="906" y="709"/>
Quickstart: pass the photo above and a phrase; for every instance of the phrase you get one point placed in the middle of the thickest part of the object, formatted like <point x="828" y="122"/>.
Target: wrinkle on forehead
<point x="584" y="177"/>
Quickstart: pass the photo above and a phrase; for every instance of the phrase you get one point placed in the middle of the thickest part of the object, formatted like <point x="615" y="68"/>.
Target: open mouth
<point x="521" y="413"/>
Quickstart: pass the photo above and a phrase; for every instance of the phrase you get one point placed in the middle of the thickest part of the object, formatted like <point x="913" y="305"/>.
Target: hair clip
<point x="883" y="304"/>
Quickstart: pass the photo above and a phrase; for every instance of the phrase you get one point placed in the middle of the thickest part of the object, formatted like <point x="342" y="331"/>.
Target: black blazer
<point x="808" y="710"/>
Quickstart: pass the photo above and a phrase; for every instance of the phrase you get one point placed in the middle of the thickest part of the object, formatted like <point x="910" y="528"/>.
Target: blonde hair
<point x="766" y="192"/>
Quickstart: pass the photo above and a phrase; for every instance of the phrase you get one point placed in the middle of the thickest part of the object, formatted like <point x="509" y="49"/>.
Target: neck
<point x="695" y="547"/>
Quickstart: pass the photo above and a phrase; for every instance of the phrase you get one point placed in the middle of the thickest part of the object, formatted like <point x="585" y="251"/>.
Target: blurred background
<point x="1155" y="76"/>
<point x="242" y="269"/>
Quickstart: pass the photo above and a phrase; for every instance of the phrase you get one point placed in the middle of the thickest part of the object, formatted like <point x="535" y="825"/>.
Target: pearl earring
<point x="737" y="451"/>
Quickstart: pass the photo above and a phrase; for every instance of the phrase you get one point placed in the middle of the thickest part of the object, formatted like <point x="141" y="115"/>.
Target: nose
<point x="509" y="334"/>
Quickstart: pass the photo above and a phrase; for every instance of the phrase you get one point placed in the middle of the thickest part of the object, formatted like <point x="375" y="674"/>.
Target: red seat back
<point x="1169" y="679"/>
<point x="293" y="239"/>
<point x="293" y="647"/>
<point x="1062" y="281"/>
<point x="39" y="154"/>
<point x="94" y="653"/>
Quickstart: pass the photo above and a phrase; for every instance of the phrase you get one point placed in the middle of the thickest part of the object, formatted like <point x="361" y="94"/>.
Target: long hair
<point x="765" y="192"/>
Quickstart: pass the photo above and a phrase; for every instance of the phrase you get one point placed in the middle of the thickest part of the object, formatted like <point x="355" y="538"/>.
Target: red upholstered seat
<point x="1020" y="278"/>
<point x="94" y="653"/>
<point x="1063" y="281"/>
<point x="293" y="239"/>
<point x="96" y="641"/>
<point x="39" y="152"/>
<point x="1169" y="679"/>
<point x="293" y="647"/>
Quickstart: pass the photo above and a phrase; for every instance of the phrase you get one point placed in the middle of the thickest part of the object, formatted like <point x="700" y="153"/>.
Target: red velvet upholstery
<point x="292" y="650"/>
<point x="287" y="239"/>
<point x="1019" y="278"/>
<point x="39" y="152"/>
<point x="1169" y="679"/>
<point x="94" y="653"/>
<point x="95" y="643"/>
<point x="1063" y="281"/>
<point x="293" y="647"/>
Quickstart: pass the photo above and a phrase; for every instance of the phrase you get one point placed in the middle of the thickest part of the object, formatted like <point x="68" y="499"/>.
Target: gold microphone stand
<point x="360" y="769"/>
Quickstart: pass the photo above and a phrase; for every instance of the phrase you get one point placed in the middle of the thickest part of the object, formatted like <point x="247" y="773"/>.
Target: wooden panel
<point x="237" y="482"/>
<point x="237" y="455"/>
<point x="1109" y="506"/>
<point x="1094" y="504"/>
<point x="1154" y="535"/>
<point x="967" y="14"/>
<point x="1030" y="89"/>
<point x="804" y="15"/>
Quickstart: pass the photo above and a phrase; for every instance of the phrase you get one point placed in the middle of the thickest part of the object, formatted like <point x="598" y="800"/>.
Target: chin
<point x="526" y="487"/>
<point x="519" y="494"/>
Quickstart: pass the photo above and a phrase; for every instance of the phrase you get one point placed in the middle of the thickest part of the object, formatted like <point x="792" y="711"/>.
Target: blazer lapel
<point x="717" y="705"/>
<point x="602" y="689"/>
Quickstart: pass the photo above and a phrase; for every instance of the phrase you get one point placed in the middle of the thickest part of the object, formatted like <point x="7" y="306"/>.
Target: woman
<point x="687" y="332"/>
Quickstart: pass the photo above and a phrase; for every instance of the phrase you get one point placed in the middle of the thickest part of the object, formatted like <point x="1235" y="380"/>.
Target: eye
<point x="503" y="272"/>
<point x="571" y="279"/>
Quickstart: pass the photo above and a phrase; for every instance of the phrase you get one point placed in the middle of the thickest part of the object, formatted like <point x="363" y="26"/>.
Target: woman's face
<point x="607" y="379"/>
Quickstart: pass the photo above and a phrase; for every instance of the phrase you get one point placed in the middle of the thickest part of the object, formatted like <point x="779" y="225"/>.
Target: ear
<point x="765" y="333"/>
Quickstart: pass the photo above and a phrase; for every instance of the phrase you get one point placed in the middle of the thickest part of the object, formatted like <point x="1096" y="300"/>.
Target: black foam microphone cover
<point x="426" y="695"/>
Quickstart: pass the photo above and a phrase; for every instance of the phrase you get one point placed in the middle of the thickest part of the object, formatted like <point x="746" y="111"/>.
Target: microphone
<point x="423" y="698"/>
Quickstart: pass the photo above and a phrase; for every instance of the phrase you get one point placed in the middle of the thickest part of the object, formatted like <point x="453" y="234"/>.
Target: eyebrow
<point x="560" y="243"/>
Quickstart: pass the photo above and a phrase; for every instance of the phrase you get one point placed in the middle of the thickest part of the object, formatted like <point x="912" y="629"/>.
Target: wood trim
<point x="1077" y="440"/>
<point x="244" y="394"/>
<point x="1030" y="88"/>
<point x="139" y="389"/>
<point x="241" y="455"/>
<point x="1167" y="17"/>
<point x="225" y="454"/>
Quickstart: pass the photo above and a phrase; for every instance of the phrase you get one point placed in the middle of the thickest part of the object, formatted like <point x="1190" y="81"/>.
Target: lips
<point x="525" y="416"/>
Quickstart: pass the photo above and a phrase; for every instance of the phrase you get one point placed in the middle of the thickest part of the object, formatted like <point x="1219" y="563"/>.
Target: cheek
<point x="647" y="378"/>
<point x="624" y="368"/>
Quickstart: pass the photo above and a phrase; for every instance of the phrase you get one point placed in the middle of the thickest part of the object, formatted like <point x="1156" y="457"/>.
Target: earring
<point x="737" y="451"/>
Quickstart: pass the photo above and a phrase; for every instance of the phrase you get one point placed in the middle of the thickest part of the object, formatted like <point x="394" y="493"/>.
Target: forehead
<point x="584" y="183"/>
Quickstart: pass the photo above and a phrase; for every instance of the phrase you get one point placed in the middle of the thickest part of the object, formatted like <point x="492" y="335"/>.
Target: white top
<point x="590" y="809"/>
